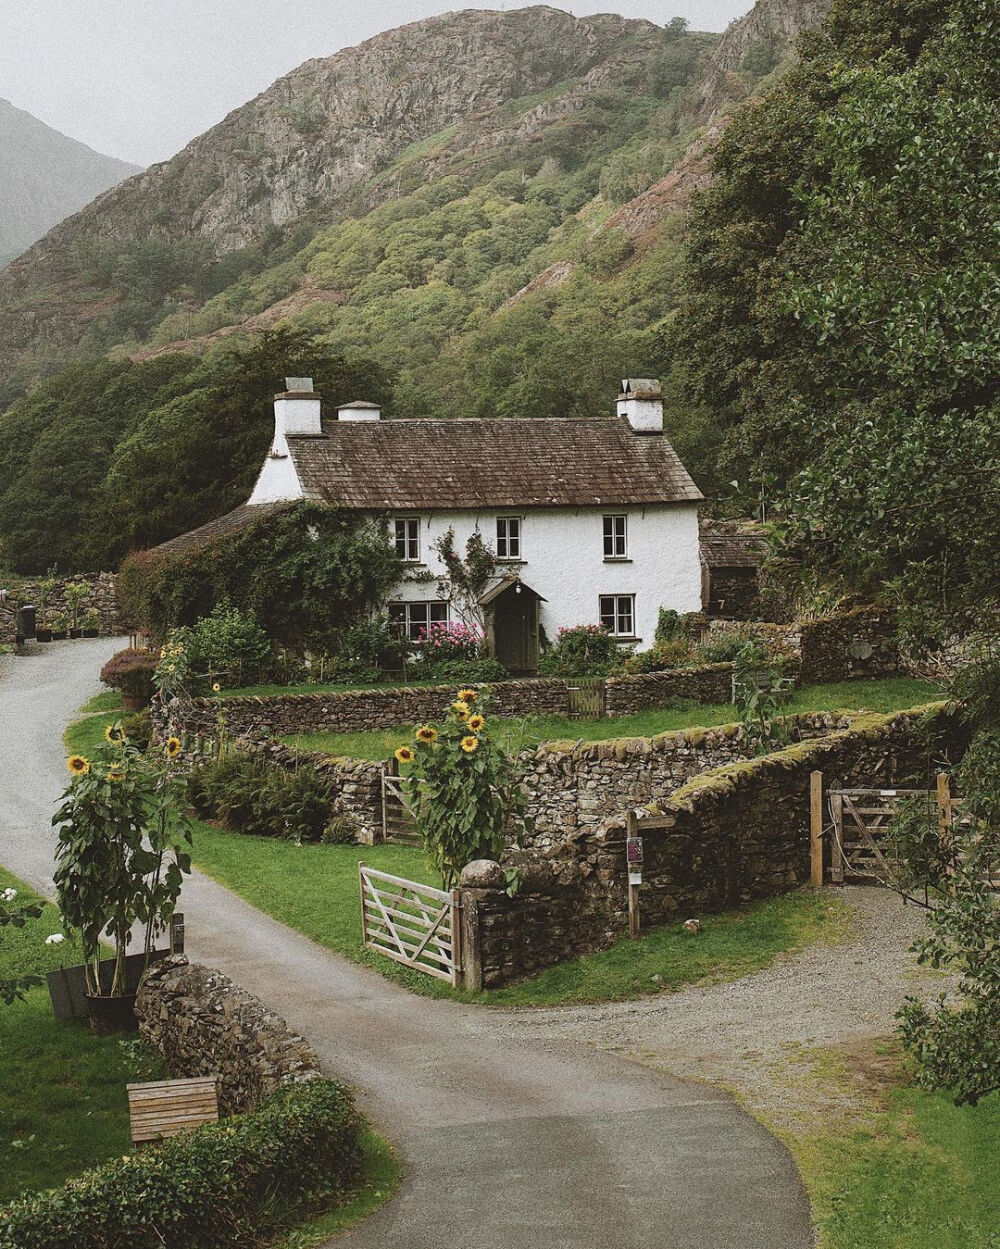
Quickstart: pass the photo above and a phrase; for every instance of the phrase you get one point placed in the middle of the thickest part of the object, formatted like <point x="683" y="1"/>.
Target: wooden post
<point x="364" y="915"/>
<point x="457" y="977"/>
<point x="837" y="845"/>
<point x="816" y="828"/>
<point x="632" y="830"/>
<point x="944" y="805"/>
<point x="176" y="933"/>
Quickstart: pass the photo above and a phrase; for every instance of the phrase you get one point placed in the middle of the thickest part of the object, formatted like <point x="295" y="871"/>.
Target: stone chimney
<point x="359" y="410"/>
<point x="641" y="404"/>
<point x="297" y="411"/>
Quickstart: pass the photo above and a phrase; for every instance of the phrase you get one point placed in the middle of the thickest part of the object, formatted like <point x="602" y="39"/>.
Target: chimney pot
<point x="359" y="410"/>
<point x="641" y="404"/>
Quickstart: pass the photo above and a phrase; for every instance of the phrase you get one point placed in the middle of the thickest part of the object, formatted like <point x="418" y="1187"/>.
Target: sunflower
<point x="173" y="747"/>
<point x="469" y="744"/>
<point x="115" y="774"/>
<point x="461" y="709"/>
<point x="476" y="722"/>
<point x="113" y="733"/>
<point x="216" y="687"/>
<point x="78" y="765"/>
<point x="467" y="696"/>
<point x="426" y="734"/>
<point x="405" y="755"/>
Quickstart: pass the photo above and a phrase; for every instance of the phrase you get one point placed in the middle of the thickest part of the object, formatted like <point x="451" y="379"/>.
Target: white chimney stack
<point x="641" y="404"/>
<point x="359" y="410"/>
<point x="297" y="411"/>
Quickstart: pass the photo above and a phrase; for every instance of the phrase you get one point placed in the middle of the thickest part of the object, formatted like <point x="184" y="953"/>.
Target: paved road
<point x="508" y="1143"/>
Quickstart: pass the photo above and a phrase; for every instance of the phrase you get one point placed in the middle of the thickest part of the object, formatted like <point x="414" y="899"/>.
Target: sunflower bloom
<point x="115" y="774"/>
<point x="113" y="733"/>
<point x="405" y="755"/>
<point x="461" y="709"/>
<point x="476" y="723"/>
<point x="216" y="687"/>
<point x="173" y="747"/>
<point x="469" y="744"/>
<point x="426" y="734"/>
<point x="467" y="696"/>
<point x="78" y="765"/>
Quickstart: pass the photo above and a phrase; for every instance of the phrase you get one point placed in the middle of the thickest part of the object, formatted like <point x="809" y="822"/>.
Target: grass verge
<point x="63" y="1106"/>
<point x="888" y="694"/>
<point x="314" y="889"/>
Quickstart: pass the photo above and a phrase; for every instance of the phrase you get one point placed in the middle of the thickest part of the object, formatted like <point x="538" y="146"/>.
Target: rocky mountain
<point x="44" y="177"/>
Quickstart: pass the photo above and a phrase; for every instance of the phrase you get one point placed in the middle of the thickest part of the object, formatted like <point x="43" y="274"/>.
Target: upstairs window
<point x="618" y="614"/>
<point x="615" y="537"/>
<point x="408" y="539"/>
<point x="413" y="619"/>
<point x="508" y="537"/>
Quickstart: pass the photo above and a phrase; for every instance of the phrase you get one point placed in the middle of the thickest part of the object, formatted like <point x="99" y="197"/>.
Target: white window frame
<point x="407" y="531"/>
<point x="617" y="614"/>
<point x="403" y="613"/>
<point x="615" y="531"/>
<point x="509" y="537"/>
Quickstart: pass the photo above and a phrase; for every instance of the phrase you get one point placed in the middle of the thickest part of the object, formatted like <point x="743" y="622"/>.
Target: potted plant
<point x="91" y="624"/>
<point x="131" y="671"/>
<point x="60" y="626"/>
<point x="43" y="629"/>
<point x="121" y="857"/>
<point x="75" y="594"/>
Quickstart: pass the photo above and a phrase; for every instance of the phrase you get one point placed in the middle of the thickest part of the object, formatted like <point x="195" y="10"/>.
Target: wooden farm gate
<point x="586" y="699"/>
<point x="414" y="924"/>
<point x="398" y="824"/>
<point x="859" y="820"/>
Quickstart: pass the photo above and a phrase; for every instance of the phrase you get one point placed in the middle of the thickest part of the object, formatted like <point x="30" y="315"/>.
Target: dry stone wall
<point x="730" y="836"/>
<point x="708" y="683"/>
<point x="205" y="1024"/>
<point x="101" y="599"/>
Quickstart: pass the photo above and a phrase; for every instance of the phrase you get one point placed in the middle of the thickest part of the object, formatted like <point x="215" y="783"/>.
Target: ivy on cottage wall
<point x="307" y="574"/>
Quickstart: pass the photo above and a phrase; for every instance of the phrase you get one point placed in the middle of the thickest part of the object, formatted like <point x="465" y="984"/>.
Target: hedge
<point x="228" y="1185"/>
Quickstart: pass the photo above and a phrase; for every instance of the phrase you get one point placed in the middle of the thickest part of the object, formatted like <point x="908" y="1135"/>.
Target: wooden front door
<point x="515" y="630"/>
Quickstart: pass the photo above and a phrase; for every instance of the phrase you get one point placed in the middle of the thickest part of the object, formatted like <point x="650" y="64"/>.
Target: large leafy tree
<point x="844" y="274"/>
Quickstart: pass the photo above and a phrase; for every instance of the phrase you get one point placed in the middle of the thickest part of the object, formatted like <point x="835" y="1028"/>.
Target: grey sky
<point x="139" y="78"/>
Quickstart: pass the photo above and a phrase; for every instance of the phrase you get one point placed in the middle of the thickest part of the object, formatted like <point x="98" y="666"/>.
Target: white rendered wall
<point x="563" y="559"/>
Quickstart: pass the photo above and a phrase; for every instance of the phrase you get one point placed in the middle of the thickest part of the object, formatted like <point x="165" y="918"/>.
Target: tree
<point x="468" y="579"/>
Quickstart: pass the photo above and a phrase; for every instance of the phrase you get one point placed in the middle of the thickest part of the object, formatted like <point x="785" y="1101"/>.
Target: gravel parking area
<point x="761" y="1035"/>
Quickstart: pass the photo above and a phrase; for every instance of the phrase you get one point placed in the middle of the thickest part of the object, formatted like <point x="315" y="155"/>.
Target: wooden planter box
<point x="68" y="985"/>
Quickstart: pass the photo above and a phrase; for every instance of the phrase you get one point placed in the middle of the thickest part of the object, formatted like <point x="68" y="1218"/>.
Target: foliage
<point x="121" y="853"/>
<point x="676" y="652"/>
<point x="431" y="668"/>
<point x="843" y="274"/>
<point x="467" y="577"/>
<point x="306" y="575"/>
<point x="138" y="728"/>
<point x="445" y="642"/>
<point x="227" y="1184"/>
<point x="724" y="645"/>
<point x="76" y="594"/>
<point x="464" y="793"/>
<point x="261" y="799"/>
<point x="226" y="646"/>
<point x="758" y="693"/>
<point x="668" y="625"/>
<point x="582" y="650"/>
<point x="16" y="916"/>
<point x="131" y="671"/>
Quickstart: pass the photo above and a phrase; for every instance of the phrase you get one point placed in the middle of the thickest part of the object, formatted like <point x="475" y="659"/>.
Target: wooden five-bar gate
<point x="414" y="924"/>
<point x="858" y="823"/>
<point x="398" y="824"/>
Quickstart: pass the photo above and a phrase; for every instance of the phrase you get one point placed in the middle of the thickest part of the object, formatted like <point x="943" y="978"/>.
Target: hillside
<point x="45" y="177"/>
<point x="497" y="232"/>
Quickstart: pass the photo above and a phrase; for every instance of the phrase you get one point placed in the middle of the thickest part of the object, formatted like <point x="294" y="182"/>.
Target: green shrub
<point x="138" y="728"/>
<point x="444" y="670"/>
<point x="131" y="671"/>
<point x="723" y="647"/>
<point x="661" y="656"/>
<point x="228" y="1185"/>
<point x="260" y="799"/>
<point x="582" y="651"/>
<point x="229" y="642"/>
<point x="668" y="625"/>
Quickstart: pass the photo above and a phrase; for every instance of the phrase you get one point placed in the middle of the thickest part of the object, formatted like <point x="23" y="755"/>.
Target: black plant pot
<point x="109" y="1015"/>
<point x="68" y="985"/>
<point x="91" y="633"/>
<point x="76" y="633"/>
<point x="43" y="635"/>
<point x="58" y="635"/>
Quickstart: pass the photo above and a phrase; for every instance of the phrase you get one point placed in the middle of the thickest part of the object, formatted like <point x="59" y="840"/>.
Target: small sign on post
<point x="633" y="857"/>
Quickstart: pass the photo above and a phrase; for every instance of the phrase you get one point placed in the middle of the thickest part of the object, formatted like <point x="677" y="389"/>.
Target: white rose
<point x="55" y="939"/>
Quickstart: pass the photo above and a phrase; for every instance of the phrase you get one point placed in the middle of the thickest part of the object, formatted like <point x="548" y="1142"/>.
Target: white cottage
<point x="591" y="520"/>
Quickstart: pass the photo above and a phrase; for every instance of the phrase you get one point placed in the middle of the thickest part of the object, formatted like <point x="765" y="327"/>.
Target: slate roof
<point x="732" y="544"/>
<point x="239" y="518"/>
<point x="427" y="465"/>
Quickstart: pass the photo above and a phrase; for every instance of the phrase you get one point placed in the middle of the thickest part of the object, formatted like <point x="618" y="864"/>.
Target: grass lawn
<point x="314" y="889"/>
<point x="110" y="700"/>
<point x="63" y="1106"/>
<point x="86" y="736"/>
<point x="888" y="694"/>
